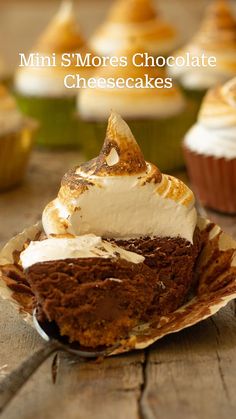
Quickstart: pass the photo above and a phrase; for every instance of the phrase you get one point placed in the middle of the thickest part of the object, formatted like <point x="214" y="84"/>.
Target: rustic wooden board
<point x="193" y="374"/>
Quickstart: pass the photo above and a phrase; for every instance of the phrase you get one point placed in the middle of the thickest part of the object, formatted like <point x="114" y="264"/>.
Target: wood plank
<point x="192" y="374"/>
<point x="108" y="389"/>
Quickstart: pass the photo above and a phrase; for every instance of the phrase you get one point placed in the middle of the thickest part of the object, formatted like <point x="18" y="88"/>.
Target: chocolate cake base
<point x="173" y="260"/>
<point x="94" y="301"/>
<point x="97" y="301"/>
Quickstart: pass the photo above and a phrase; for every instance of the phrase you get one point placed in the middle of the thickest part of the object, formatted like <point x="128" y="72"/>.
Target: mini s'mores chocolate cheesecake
<point x="210" y="149"/>
<point x="121" y="245"/>
<point x="216" y="38"/>
<point x="40" y="89"/>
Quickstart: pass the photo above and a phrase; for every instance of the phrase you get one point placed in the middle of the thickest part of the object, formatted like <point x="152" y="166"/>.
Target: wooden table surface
<point x="188" y="375"/>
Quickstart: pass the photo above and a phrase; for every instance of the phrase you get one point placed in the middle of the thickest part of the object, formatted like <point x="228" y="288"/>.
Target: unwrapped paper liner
<point x="215" y="278"/>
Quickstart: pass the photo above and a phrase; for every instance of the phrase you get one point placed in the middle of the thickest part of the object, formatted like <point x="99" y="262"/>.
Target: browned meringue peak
<point x="229" y="92"/>
<point x="119" y="195"/>
<point x="219" y="106"/>
<point x="218" y="25"/>
<point x="120" y="154"/>
<point x="63" y="33"/>
<point x="132" y="11"/>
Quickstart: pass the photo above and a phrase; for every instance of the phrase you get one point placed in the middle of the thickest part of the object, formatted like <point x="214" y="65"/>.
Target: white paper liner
<point x="211" y="294"/>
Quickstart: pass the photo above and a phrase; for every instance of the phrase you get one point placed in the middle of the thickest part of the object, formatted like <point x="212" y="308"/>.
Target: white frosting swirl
<point x="212" y="142"/>
<point x="87" y="246"/>
<point x="10" y="117"/>
<point x="215" y="132"/>
<point x="119" y="195"/>
<point x="122" y="207"/>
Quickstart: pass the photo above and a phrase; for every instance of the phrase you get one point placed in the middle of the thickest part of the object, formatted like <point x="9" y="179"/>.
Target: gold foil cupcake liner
<point x="215" y="286"/>
<point x="15" y="148"/>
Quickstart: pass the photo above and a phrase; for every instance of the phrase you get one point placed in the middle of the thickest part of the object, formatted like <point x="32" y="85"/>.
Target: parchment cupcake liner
<point x="15" y="149"/>
<point x="215" y="285"/>
<point x="58" y="123"/>
<point x="160" y="140"/>
<point x="213" y="179"/>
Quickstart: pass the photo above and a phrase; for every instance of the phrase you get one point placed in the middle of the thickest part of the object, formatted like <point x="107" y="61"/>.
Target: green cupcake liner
<point x="57" y="119"/>
<point x="160" y="140"/>
<point x="195" y="96"/>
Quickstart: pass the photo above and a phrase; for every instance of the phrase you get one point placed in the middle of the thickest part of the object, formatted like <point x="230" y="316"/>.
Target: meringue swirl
<point x="216" y="37"/>
<point x="96" y="104"/>
<point x="215" y="132"/>
<point x="62" y="35"/>
<point x="120" y="195"/>
<point x="137" y="20"/>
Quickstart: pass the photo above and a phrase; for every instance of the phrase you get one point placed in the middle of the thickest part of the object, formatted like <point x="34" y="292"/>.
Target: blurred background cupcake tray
<point x="77" y="120"/>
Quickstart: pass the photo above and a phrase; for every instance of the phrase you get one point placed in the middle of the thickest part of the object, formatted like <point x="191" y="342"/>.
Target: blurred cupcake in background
<point x="16" y="140"/>
<point x="159" y="117"/>
<point x="40" y="91"/>
<point x="4" y="75"/>
<point x="216" y="37"/>
<point x="210" y="149"/>
<point x="137" y="19"/>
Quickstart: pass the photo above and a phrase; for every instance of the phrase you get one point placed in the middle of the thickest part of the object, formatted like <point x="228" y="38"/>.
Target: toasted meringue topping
<point x="215" y="132"/>
<point x="218" y="27"/>
<point x="136" y="19"/>
<point x="10" y="117"/>
<point x="132" y="11"/>
<point x="128" y="199"/>
<point x="87" y="246"/>
<point x="96" y="104"/>
<point x="121" y="145"/>
<point x="216" y="37"/>
<point x="219" y="107"/>
<point x="62" y="35"/>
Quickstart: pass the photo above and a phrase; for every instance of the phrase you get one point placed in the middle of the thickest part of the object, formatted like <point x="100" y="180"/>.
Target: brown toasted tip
<point x="120" y="154"/>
